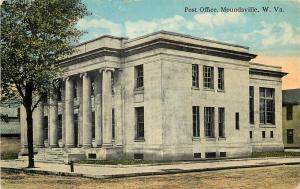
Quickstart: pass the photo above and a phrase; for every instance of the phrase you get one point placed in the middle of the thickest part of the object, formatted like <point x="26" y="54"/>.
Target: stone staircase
<point x="55" y="155"/>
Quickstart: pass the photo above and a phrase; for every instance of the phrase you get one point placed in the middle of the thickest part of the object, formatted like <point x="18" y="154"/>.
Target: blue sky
<point x="269" y="33"/>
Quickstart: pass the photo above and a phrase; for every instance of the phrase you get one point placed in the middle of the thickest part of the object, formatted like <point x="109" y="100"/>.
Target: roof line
<point x="260" y="64"/>
<point x="186" y="36"/>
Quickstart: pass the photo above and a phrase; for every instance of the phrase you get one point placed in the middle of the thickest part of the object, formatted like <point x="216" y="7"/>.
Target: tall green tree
<point x="35" y="35"/>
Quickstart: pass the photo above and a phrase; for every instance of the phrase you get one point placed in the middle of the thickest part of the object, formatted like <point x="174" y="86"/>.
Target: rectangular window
<point x="196" y="124"/>
<point x="271" y="134"/>
<point x="195" y="75"/>
<point x="76" y="133"/>
<point x="209" y="121"/>
<point x="45" y="127"/>
<point x="222" y="154"/>
<point x="208" y="77"/>
<point x="93" y="85"/>
<point x="45" y="97"/>
<point x="290" y="136"/>
<point x="113" y="125"/>
<point x="93" y="125"/>
<point x="138" y="156"/>
<point x="210" y="154"/>
<point x="75" y="89"/>
<point x="139" y="73"/>
<point x="263" y="134"/>
<point x="112" y="81"/>
<point x="197" y="155"/>
<point x="267" y="105"/>
<point x="221" y="119"/>
<point x="221" y="79"/>
<point x="59" y="92"/>
<point x="139" y="111"/>
<point x="250" y="133"/>
<point x="237" y="120"/>
<point x="289" y="112"/>
<point x="59" y="126"/>
<point x="251" y="105"/>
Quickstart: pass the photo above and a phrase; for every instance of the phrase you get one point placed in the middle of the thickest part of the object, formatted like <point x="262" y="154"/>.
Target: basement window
<point x="222" y="154"/>
<point x="197" y="155"/>
<point x="138" y="156"/>
<point x="210" y="154"/>
<point x="92" y="156"/>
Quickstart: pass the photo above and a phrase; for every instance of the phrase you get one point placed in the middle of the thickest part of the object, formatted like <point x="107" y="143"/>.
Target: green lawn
<point x="275" y="154"/>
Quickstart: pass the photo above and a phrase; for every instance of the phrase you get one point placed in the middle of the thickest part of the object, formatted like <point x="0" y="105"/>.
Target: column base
<point x="39" y="146"/>
<point x="69" y="146"/>
<point x="86" y="145"/>
<point x="97" y="145"/>
<point x="107" y="145"/>
<point x="53" y="146"/>
<point x="23" y="151"/>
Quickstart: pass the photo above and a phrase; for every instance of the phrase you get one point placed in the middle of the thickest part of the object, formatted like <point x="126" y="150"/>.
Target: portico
<point x="85" y="94"/>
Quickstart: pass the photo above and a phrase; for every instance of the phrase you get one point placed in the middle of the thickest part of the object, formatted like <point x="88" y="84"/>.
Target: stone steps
<point x="51" y="155"/>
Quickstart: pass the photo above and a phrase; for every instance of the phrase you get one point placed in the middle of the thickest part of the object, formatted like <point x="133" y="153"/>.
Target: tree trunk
<point x="28" y="106"/>
<point x="30" y="137"/>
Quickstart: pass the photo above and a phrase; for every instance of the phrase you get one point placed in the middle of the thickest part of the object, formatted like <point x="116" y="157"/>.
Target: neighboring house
<point x="10" y="122"/>
<point x="162" y="96"/>
<point x="10" y="127"/>
<point x="291" y="118"/>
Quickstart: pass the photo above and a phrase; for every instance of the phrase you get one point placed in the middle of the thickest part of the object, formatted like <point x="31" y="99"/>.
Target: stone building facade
<point x="161" y="96"/>
<point x="291" y="118"/>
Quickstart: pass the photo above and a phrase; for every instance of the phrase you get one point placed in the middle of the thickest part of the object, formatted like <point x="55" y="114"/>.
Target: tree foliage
<point x="35" y="35"/>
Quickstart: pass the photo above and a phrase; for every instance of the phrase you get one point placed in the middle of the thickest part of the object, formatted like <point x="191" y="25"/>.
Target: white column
<point x="53" y="113"/>
<point x="38" y="131"/>
<point x="119" y="108"/>
<point x="86" y="111"/>
<point x="98" y="110"/>
<point x="69" y="113"/>
<point x="80" y="112"/>
<point x="23" y="124"/>
<point x="107" y="107"/>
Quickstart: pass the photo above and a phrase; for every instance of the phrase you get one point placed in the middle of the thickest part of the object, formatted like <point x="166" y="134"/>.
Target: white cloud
<point x="219" y="18"/>
<point x="141" y="27"/>
<point x="114" y="28"/>
<point x="278" y="34"/>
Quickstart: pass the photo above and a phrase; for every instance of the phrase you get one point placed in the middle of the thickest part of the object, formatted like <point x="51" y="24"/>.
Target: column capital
<point x="84" y="74"/>
<point x="66" y="78"/>
<point x="106" y="69"/>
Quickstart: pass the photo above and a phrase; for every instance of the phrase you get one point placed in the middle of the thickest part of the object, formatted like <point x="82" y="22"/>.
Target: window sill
<point x="209" y="89"/>
<point x="221" y="138"/>
<point x="221" y="90"/>
<point x="196" y="138"/>
<point x="267" y="126"/>
<point x="139" y="140"/>
<point x="210" y="139"/>
<point x="138" y="90"/>
<point x="195" y="88"/>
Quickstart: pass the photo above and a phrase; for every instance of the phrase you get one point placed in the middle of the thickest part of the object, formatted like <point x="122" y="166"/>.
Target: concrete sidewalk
<point x="117" y="171"/>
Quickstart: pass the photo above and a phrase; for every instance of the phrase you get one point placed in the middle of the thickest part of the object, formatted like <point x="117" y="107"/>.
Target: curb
<point x="162" y="172"/>
<point x="183" y="162"/>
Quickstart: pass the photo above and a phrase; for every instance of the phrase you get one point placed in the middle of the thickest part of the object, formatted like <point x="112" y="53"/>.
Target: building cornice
<point x="159" y="43"/>
<point x="254" y="71"/>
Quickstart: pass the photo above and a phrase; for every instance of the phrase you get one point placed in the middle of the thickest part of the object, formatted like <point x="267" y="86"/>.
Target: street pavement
<point x="115" y="171"/>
